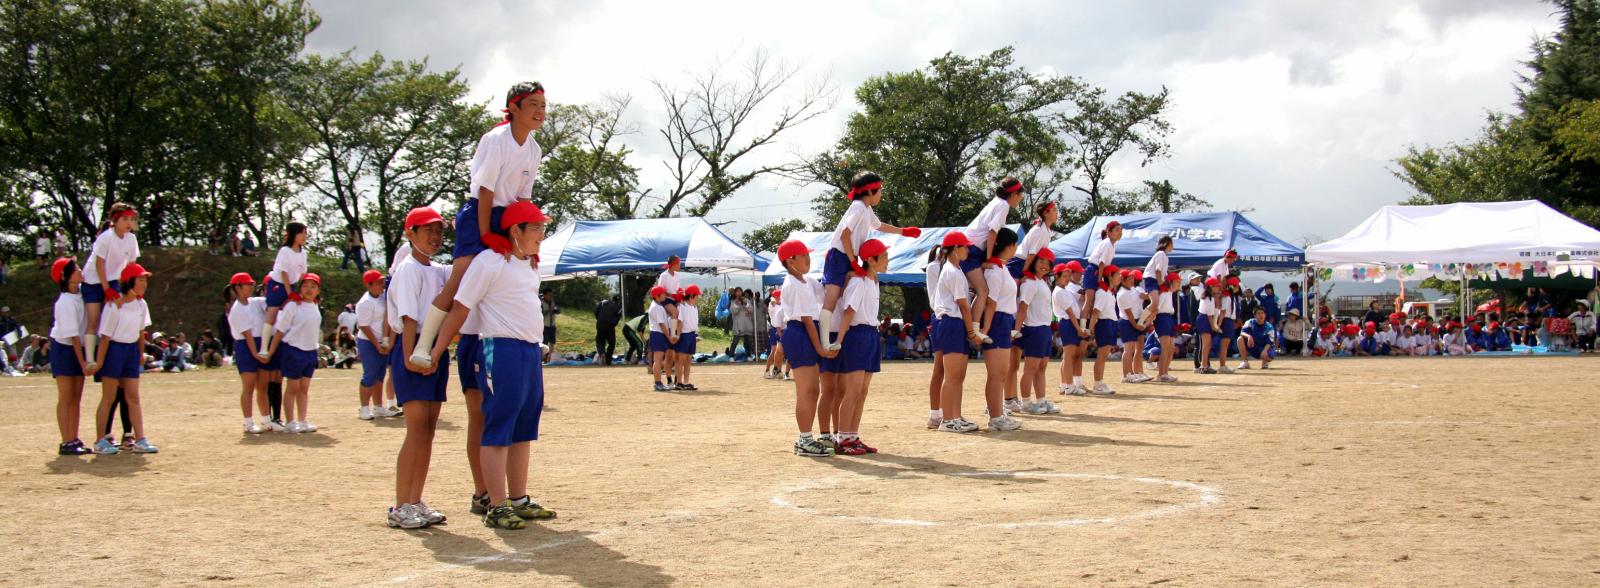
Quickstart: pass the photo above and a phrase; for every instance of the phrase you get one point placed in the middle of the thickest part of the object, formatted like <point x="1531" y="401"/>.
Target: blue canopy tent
<point x="908" y="258"/>
<point x="601" y="247"/>
<point x="1199" y="239"/>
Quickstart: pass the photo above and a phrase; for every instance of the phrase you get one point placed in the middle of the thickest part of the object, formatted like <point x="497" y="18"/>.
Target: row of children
<point x="674" y="317"/>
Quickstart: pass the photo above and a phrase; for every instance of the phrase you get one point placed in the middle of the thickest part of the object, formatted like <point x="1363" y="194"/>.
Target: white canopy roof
<point x="1470" y="232"/>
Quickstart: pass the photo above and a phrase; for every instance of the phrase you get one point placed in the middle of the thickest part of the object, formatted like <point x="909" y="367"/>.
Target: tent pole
<point x="622" y="290"/>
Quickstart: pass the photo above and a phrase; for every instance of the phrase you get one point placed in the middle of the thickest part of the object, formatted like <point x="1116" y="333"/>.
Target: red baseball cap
<point x="791" y="248"/>
<point x="872" y="248"/>
<point x="692" y="290"/>
<point x="241" y="279"/>
<point x="1233" y="281"/>
<point x="1174" y="277"/>
<point x="658" y="291"/>
<point x="520" y="212"/>
<point x="371" y="276"/>
<point x="58" y="268"/>
<point x="1213" y="281"/>
<point x="309" y="277"/>
<point x="955" y="239"/>
<point x="777" y="293"/>
<point x="1047" y="254"/>
<point x="1074" y="266"/>
<point x="1109" y="269"/>
<point x="422" y="215"/>
<point x="133" y="270"/>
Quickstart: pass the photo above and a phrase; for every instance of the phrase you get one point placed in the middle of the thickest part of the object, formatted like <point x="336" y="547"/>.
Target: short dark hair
<point x="289" y="232"/>
<point x="66" y="273"/>
<point x="1003" y="238"/>
<point x="862" y="178"/>
<point x="1006" y="187"/>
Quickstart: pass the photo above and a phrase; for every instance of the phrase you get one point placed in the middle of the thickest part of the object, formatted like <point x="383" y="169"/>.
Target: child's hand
<point x="828" y="352"/>
<point x="426" y="371"/>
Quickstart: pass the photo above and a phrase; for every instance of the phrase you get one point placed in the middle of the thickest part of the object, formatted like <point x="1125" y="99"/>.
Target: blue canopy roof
<point x="641" y="244"/>
<point x="1199" y="239"/>
<point x="908" y="258"/>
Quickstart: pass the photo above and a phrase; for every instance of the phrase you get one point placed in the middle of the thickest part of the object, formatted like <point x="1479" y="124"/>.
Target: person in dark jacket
<point x="606" y="316"/>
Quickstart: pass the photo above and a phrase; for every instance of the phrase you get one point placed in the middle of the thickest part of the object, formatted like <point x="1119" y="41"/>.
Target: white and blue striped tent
<point x="908" y="258"/>
<point x="609" y="247"/>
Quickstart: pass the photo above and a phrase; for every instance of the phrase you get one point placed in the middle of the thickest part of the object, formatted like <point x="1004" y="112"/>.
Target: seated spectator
<point x="923" y="347"/>
<point x="1295" y="331"/>
<point x="235" y="247"/>
<point x="247" y="247"/>
<point x="36" y="357"/>
<point x="173" y="358"/>
<point x="1583" y="327"/>
<point x="209" y="353"/>
<point x="342" y="346"/>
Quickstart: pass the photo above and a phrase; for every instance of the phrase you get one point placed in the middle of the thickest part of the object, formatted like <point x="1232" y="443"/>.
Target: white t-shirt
<point x="1219" y="270"/>
<point x="301" y="325"/>
<point x="800" y="298"/>
<point x="291" y="262"/>
<point x="1164" y="302"/>
<point x="504" y="167"/>
<point x="1129" y="301"/>
<point x="70" y="318"/>
<point x="118" y="253"/>
<point x="1037" y="295"/>
<point x="1037" y="238"/>
<point x="1157" y="267"/>
<point x="504" y="295"/>
<point x="932" y="271"/>
<point x="247" y="318"/>
<point x="347" y="319"/>
<point x="42" y="245"/>
<point x="862" y="296"/>
<point x="775" y="314"/>
<point x="952" y="287"/>
<point x="1068" y="301"/>
<point x="1208" y="306"/>
<point x="1103" y="252"/>
<point x="123" y="323"/>
<point x="688" y="318"/>
<point x="370" y="313"/>
<point x="991" y="219"/>
<point x="1105" y="306"/>
<point x="1002" y="289"/>
<point x="658" y="317"/>
<point x="1226" y="307"/>
<point x="412" y="287"/>
<point x="1403" y="342"/>
<point x="669" y="281"/>
<point x="861" y="220"/>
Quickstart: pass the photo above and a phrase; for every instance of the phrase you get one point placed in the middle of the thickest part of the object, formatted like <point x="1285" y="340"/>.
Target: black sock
<point x="275" y="398"/>
<point x="127" y="422"/>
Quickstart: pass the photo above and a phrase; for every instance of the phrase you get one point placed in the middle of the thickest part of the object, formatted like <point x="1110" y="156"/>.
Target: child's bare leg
<point x="130" y="387"/>
<point x="475" y="440"/>
<point x="805" y="398"/>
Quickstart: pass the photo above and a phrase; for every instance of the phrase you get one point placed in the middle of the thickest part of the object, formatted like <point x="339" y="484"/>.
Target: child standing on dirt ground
<point x="372" y="345"/>
<point x="302" y="325"/>
<point x="999" y="320"/>
<point x="955" y="330"/>
<point x="661" y="339"/>
<point x="1104" y="318"/>
<point x="862" y="345"/>
<point x="1034" y="310"/>
<point x="245" y="317"/>
<point x="802" y="342"/>
<point x="287" y="270"/>
<point x="775" y="364"/>
<point x="67" y="361"/>
<point x="1068" y="302"/>
<point x="121" y="359"/>
<point x="114" y="248"/>
<point x="413" y="282"/>
<point x="501" y="294"/>
<point x="689" y="318"/>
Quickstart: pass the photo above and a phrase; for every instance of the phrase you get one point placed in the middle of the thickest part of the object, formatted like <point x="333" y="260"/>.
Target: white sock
<point x="1077" y="380"/>
<point x="249" y="421"/>
<point x="937" y="413"/>
<point x="89" y="343"/>
<point x="827" y="325"/>
<point x="430" y="329"/>
<point x="266" y="336"/>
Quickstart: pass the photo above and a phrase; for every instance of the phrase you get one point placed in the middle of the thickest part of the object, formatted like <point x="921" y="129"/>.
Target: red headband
<point x="518" y="98"/>
<point x="862" y="190"/>
<point x="1014" y="188"/>
<point x="122" y="213"/>
<point x="1047" y="209"/>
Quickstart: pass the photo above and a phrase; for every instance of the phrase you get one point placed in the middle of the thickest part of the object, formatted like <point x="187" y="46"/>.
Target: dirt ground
<point x="1471" y="471"/>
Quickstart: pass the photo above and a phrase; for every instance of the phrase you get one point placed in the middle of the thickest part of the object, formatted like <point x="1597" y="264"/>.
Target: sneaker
<point x="1144" y="378"/>
<point x="1244" y="365"/>
<point x="810" y="448"/>
<point x="933" y="422"/>
<point x="1167" y="379"/>
<point x="1199" y="370"/>
<point x="1227" y="370"/>
<point x="277" y="426"/>
<point x="852" y="447"/>
<point x="144" y="446"/>
<point x="1130" y="379"/>
<point x="528" y="510"/>
<point x="307" y="427"/>
<point x="689" y="387"/>
<point x="503" y="517"/>
<point x="1049" y="408"/>
<point x="1065" y="388"/>
<point x="826" y="440"/>
<point x="73" y="447"/>
<point x="1004" y="423"/>
<point x="958" y="425"/>
<point x="1079" y="390"/>
<point x="433" y="517"/>
<point x="105" y="447"/>
<point x="660" y="387"/>
<point x="863" y="445"/>
<point x="480" y="504"/>
<point x="365" y="413"/>
<point x="1102" y="389"/>
<point x="127" y="441"/>
<point x="788" y="376"/>
<point x="390" y="412"/>
<point x="406" y="517"/>
<point x="293" y="427"/>
<point x="251" y="427"/>
<point x="768" y="375"/>
<point x="1013" y="405"/>
<point x="1034" y="408"/>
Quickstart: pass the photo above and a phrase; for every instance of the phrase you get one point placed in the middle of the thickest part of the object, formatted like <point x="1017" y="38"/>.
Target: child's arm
<point x="1022" y="311"/>
<point x="816" y="342"/>
<point x="966" y="320"/>
<point x="250" y="342"/>
<point x="100" y="270"/>
<point x="485" y="210"/>
<point x="77" y="350"/>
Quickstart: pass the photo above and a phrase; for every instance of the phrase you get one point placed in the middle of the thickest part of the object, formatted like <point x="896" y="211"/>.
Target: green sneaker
<point x="503" y="517"/>
<point x="480" y="504"/>
<point x="529" y="510"/>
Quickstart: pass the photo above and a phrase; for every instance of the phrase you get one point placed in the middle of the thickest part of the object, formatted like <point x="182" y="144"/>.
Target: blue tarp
<point x="641" y="245"/>
<point x="908" y="258"/>
<point x="1199" y="239"/>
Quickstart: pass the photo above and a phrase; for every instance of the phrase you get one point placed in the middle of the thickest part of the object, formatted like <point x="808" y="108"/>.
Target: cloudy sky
<point x="1293" y="109"/>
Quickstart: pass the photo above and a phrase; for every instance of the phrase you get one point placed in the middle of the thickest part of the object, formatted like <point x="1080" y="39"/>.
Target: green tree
<point x="1162" y="196"/>
<point x="586" y="173"/>
<point x="1099" y="130"/>
<point x="770" y="235"/>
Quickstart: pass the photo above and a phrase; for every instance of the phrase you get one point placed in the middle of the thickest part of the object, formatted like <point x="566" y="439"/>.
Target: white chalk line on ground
<point x="1207" y="497"/>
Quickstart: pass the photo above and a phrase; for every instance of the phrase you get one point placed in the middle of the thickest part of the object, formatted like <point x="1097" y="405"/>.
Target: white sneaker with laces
<point x="1244" y="365"/>
<point x="293" y="427"/>
<point x="307" y="427"/>
<point x="1049" y="407"/>
<point x="1167" y="379"/>
<point x="1226" y="370"/>
<point x="277" y="427"/>
<point x="1102" y="389"/>
<point x="365" y="413"/>
<point x="958" y="425"/>
<point x="1004" y="423"/>
<point x="251" y="427"/>
<point x="1013" y="405"/>
<point x="387" y="412"/>
<point x="934" y="422"/>
<point x="433" y="517"/>
<point x="1130" y="379"/>
<point x="1144" y="378"/>
<point x="1035" y="408"/>
<point x="1065" y="388"/>
<point x="406" y="517"/>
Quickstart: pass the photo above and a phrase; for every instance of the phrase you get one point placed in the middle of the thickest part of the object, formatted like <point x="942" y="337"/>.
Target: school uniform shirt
<point x="370" y="314"/>
<point x="932" y="271"/>
<point x="1219" y="270"/>
<point x="658" y="317"/>
<point x="861" y="220"/>
<point x="1208" y="309"/>
<point x="1262" y="332"/>
<point x="1034" y="292"/>
<point x="1403" y="342"/>
<point x="504" y="295"/>
<point x="289" y="262"/>
<point x="952" y="288"/>
<point x="669" y="281"/>
<point x="1067" y="301"/>
<point x="504" y="167"/>
<point x="123" y="323"/>
<point x="1157" y="267"/>
<point x="1103" y="252"/>
<point x="862" y="296"/>
<point x="301" y="323"/>
<point x="1166" y="302"/>
<point x="1129" y="301"/>
<point x="991" y="218"/>
<point x="1227" y="308"/>
<point x="117" y="251"/>
<point x="247" y="317"/>
<point x="775" y="315"/>
<point x="688" y="318"/>
<point x="70" y="319"/>
<point x="800" y="298"/>
<point x="1002" y="289"/>
<point x="412" y="287"/>
<point x="1038" y="237"/>
<point x="1105" y="306"/>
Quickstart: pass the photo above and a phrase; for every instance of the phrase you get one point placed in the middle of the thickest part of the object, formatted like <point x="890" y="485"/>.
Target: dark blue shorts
<point x="274" y="362"/>
<point x="1229" y="330"/>
<point x="468" y="240"/>
<point x="1105" y="333"/>
<point x="1127" y="333"/>
<point x="861" y="350"/>
<point x="1036" y="341"/>
<point x="409" y="385"/>
<point x="797" y="347"/>
<point x="63" y="362"/>
<point x="297" y="363"/>
<point x="243" y="359"/>
<point x="1000" y="331"/>
<point x="1260" y="346"/>
<point x="1014" y="265"/>
<point x="974" y="259"/>
<point x="373" y="363"/>
<point x="96" y="293"/>
<point x="949" y="335"/>
<point x="1150" y="284"/>
<point x="1069" y="333"/>
<point x="1091" y="277"/>
<point x="1203" y="326"/>
<point x="659" y="342"/>
<point x="512" y="381"/>
<point x="835" y="268"/>
<point x="1166" y="325"/>
<point x="277" y="294"/>
<point x="123" y="361"/>
<point x="467" y="366"/>
<point x="772" y="336"/>
<point x="833" y="365"/>
<point x="686" y="343"/>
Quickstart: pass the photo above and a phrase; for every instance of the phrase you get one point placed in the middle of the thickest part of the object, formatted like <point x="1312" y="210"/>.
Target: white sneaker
<point x="307" y="427"/>
<point x="1143" y="378"/>
<point x="1004" y="423"/>
<point x="934" y="422"/>
<point x="1244" y="365"/>
<point x="958" y="425"/>
<point x="1013" y="405"/>
<point x="1102" y="389"/>
<point x="1065" y="388"/>
<point x="277" y="427"/>
<point x="387" y="412"/>
<point x="293" y="427"/>
<point x="1035" y="408"/>
<point x="768" y="376"/>
<point x="1167" y="379"/>
<point x="1226" y="370"/>
<point x="433" y="517"/>
<point x="365" y="413"/>
<point x="251" y="427"/>
<point x="1079" y="390"/>
<point x="406" y="517"/>
<point x="788" y="377"/>
<point x="1049" y="408"/>
<point x="1130" y="379"/>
